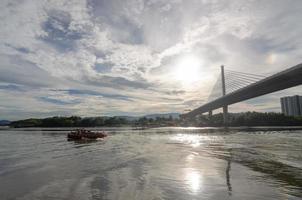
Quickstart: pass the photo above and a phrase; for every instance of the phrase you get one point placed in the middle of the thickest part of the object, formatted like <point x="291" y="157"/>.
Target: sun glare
<point x="193" y="180"/>
<point x="188" y="70"/>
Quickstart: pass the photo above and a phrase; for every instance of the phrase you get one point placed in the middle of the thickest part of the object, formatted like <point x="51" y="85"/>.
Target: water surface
<point x="162" y="163"/>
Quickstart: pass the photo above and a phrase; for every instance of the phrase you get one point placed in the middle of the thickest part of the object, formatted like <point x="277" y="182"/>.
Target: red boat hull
<point x="82" y="135"/>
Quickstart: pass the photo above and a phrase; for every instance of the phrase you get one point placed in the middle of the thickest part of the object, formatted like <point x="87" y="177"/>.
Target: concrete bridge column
<point x="225" y="115"/>
<point x="225" y="108"/>
<point x="210" y="113"/>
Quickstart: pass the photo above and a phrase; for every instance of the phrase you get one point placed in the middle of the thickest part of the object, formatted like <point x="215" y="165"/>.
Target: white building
<point x="291" y="106"/>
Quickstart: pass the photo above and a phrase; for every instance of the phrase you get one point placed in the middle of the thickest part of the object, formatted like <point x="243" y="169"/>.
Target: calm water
<point x="167" y="163"/>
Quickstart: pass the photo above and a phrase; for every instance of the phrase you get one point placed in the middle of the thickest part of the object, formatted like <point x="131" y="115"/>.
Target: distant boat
<point x="82" y="134"/>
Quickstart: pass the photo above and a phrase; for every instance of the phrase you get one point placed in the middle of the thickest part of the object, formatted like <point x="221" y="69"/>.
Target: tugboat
<point x="82" y="134"/>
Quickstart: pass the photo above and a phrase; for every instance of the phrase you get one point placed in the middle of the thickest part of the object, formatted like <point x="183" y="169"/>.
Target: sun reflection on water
<point x="192" y="140"/>
<point x="193" y="171"/>
<point x="193" y="179"/>
<point x="192" y="176"/>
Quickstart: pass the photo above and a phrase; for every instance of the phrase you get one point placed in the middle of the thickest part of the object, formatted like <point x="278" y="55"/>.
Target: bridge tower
<point x="225" y="107"/>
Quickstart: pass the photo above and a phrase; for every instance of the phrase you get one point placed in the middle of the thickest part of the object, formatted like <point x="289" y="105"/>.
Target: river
<point x="158" y="163"/>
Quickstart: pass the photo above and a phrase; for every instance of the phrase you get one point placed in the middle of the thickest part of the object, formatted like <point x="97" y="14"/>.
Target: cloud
<point x="94" y="93"/>
<point x="11" y="87"/>
<point x="117" y="82"/>
<point x="121" y="23"/>
<point x="19" y="49"/>
<point x="103" y="67"/>
<point x="108" y="57"/>
<point x="58" y="101"/>
<point x="16" y="70"/>
<point x="176" y="92"/>
<point x="58" y="32"/>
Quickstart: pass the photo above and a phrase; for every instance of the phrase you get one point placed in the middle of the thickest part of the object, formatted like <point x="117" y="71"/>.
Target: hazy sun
<point x="188" y="69"/>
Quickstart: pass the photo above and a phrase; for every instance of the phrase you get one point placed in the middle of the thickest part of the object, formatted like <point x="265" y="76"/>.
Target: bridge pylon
<point x="225" y="107"/>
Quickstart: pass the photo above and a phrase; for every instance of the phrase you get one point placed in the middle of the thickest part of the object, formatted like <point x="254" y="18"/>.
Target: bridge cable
<point x="233" y="88"/>
<point x="216" y="91"/>
<point x="244" y="73"/>
<point x="234" y="81"/>
<point x="237" y="80"/>
<point x="243" y="76"/>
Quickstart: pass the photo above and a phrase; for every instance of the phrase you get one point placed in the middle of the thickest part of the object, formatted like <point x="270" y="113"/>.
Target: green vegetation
<point x="234" y="119"/>
<point x="75" y="121"/>
<point x="248" y="119"/>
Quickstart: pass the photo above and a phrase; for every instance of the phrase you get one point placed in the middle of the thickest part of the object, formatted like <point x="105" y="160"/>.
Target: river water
<point x="161" y="163"/>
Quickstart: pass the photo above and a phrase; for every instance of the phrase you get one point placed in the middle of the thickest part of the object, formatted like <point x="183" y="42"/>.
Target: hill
<point x="4" y="122"/>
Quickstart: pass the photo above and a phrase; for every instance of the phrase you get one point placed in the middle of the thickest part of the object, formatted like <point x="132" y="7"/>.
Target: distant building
<point x="291" y="106"/>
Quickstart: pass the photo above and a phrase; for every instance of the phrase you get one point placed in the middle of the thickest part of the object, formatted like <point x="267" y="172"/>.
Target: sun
<point x="188" y="70"/>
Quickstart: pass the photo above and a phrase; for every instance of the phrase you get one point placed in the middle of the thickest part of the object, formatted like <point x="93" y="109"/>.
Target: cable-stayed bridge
<point x="233" y="87"/>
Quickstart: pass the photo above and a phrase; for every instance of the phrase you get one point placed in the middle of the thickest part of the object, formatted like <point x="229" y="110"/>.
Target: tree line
<point x="75" y="121"/>
<point x="234" y="119"/>
<point x="248" y="119"/>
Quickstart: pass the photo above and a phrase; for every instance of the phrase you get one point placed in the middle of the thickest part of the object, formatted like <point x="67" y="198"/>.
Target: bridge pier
<point x="210" y="114"/>
<point x="225" y="115"/>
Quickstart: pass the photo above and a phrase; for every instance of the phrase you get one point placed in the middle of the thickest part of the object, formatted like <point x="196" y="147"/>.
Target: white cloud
<point x="132" y="47"/>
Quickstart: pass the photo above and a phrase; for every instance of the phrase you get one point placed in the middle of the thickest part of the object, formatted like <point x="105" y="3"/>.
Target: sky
<point x="135" y="57"/>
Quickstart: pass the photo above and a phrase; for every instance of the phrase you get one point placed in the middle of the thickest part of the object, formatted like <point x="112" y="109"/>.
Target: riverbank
<point x="247" y="119"/>
<point x="190" y="129"/>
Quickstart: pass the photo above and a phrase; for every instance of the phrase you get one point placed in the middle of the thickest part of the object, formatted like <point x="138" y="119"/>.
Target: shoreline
<point x="201" y="129"/>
